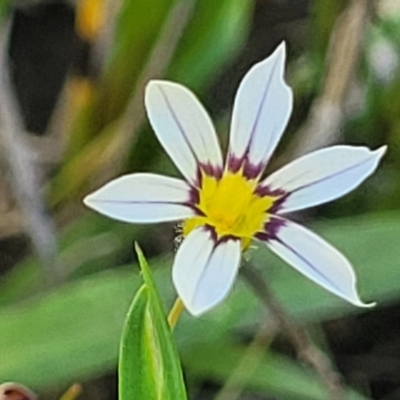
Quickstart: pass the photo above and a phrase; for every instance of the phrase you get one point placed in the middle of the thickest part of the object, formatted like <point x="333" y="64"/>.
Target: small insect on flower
<point x="225" y="205"/>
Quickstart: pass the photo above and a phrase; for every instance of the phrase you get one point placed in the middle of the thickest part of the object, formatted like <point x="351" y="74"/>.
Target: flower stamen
<point x="231" y="206"/>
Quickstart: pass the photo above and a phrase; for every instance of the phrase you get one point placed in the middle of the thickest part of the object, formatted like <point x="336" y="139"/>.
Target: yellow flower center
<point x="231" y="207"/>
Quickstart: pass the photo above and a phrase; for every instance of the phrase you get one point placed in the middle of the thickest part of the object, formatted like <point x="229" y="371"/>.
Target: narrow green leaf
<point x="72" y="333"/>
<point x="215" y="34"/>
<point x="68" y="335"/>
<point x="149" y="366"/>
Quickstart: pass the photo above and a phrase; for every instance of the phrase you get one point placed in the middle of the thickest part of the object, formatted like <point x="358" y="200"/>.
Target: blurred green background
<point x="72" y="117"/>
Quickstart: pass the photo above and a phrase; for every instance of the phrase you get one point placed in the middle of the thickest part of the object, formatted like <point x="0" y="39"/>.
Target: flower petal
<point x="262" y="108"/>
<point x="204" y="269"/>
<point x="143" y="198"/>
<point x="323" y="175"/>
<point x="183" y="127"/>
<point x="316" y="259"/>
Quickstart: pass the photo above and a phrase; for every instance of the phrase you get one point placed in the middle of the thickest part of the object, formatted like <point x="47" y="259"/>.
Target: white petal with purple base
<point x="204" y="271"/>
<point x="316" y="259"/>
<point x="143" y="198"/>
<point x="323" y="175"/>
<point x="262" y="108"/>
<point x="183" y="127"/>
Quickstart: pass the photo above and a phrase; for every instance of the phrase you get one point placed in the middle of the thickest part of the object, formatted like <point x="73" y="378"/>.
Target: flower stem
<point x="175" y="312"/>
<point x="297" y="335"/>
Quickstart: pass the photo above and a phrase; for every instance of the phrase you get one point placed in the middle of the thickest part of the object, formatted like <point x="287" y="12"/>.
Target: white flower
<point x="226" y="205"/>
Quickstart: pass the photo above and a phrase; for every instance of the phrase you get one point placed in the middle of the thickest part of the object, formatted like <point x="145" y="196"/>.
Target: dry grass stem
<point x="298" y="336"/>
<point x="327" y="112"/>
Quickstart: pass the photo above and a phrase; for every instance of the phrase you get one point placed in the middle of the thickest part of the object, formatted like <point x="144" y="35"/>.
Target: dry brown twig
<point x="327" y="112"/>
<point x="297" y="335"/>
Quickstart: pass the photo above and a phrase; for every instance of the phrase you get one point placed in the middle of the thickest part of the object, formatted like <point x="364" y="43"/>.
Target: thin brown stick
<point x="328" y="111"/>
<point x="297" y="335"/>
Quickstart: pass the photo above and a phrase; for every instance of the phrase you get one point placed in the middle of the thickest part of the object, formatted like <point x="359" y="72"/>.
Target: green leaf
<point x="72" y="333"/>
<point x="216" y="32"/>
<point x="66" y="335"/>
<point x="149" y="366"/>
